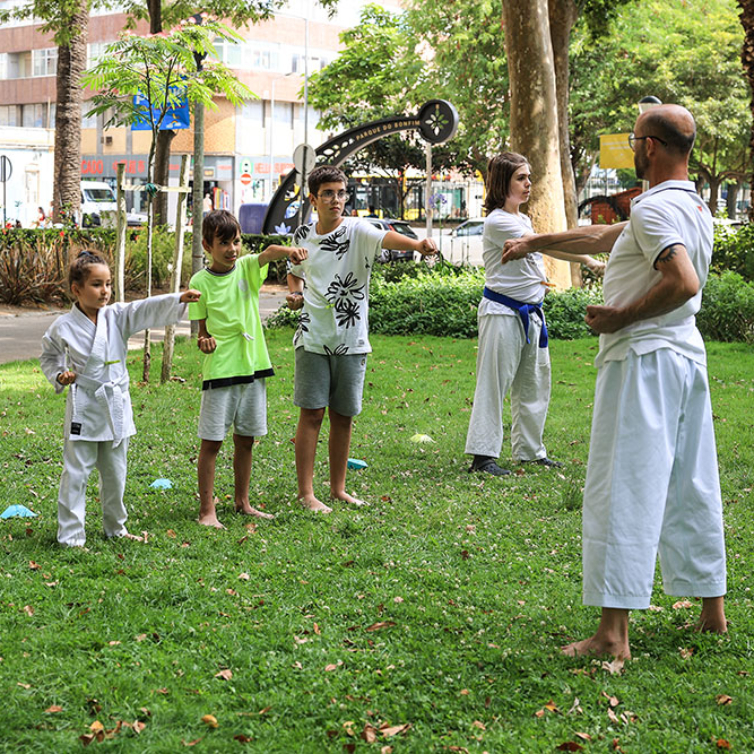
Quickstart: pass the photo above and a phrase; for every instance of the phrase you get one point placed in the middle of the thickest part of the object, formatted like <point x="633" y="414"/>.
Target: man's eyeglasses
<point x="328" y="195"/>
<point x="633" y="139"/>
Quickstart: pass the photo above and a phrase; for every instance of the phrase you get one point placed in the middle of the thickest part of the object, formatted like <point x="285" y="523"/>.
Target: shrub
<point x="727" y="311"/>
<point x="163" y="248"/>
<point x="34" y="263"/>
<point x="734" y="250"/>
<point x="565" y="312"/>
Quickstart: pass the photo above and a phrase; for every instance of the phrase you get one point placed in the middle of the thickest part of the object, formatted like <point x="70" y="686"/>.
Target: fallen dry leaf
<point x="333" y="666"/>
<point x="113" y="643"/>
<point x="380" y="625"/>
<point x="171" y="533"/>
<point x="210" y="721"/>
<point x="226" y="674"/>
<point x="54" y="708"/>
<point x="569" y="746"/>
<point x="244" y="576"/>
<point x="34" y="566"/>
<point x="721" y="743"/>
<point x="394" y="730"/>
<point x="614" y="667"/>
<point x="29" y="610"/>
<point x="612" y="700"/>
<point x="369" y="734"/>
<point x="386" y="750"/>
<point x="612" y="716"/>
<point x="686" y="652"/>
<point x="191" y="743"/>
<point x="723" y="699"/>
<point x="242" y="739"/>
<point x="583" y="736"/>
<point x="464" y="692"/>
<point x="479" y="724"/>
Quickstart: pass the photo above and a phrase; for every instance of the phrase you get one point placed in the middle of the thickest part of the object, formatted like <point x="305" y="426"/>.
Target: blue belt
<point x="523" y="311"/>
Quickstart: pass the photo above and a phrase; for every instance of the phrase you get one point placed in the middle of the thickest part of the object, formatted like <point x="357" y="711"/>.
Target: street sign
<point x="6" y="169"/>
<point x="174" y="119"/>
<point x="246" y="179"/>
<point x="304" y="157"/>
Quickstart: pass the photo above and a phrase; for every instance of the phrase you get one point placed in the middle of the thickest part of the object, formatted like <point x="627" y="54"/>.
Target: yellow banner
<point x="615" y="152"/>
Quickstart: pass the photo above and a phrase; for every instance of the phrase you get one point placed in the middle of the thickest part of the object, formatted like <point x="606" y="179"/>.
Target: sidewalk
<point x="21" y="330"/>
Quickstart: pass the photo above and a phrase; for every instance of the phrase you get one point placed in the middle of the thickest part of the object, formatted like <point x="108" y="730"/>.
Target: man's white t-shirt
<point x="335" y="315"/>
<point x="521" y="279"/>
<point x="669" y="213"/>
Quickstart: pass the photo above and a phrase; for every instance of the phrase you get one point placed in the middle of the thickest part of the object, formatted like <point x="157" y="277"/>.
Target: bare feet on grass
<point x="134" y="537"/>
<point x="596" y="646"/>
<point x="208" y="517"/>
<point x="249" y="510"/>
<point x="610" y="640"/>
<point x="712" y="618"/>
<point x="344" y="497"/>
<point x="311" y="503"/>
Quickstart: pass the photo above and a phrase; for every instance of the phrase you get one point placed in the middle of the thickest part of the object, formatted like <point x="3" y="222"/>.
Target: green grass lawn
<point x="429" y="621"/>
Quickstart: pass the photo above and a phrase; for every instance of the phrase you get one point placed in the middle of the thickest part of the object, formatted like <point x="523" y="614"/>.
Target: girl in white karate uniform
<point x="86" y="349"/>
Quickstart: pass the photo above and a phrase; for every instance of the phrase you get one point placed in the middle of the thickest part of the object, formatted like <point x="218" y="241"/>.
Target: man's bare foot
<point x="596" y="646"/>
<point x="344" y="497"/>
<point x="712" y="618"/>
<point x="248" y="510"/>
<point x="311" y="503"/>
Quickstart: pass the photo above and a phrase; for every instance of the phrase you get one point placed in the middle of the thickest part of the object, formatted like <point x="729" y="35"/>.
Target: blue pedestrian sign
<point x="176" y="117"/>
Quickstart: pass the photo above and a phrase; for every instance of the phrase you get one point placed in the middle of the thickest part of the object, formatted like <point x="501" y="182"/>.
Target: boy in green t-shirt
<point x="236" y="361"/>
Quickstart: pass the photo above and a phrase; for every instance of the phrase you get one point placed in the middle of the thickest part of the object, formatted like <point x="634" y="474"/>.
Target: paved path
<point x="21" y="330"/>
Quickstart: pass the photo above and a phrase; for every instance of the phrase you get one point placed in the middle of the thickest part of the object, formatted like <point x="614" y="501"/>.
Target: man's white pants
<point x="652" y="484"/>
<point x="506" y="362"/>
<point x="80" y="458"/>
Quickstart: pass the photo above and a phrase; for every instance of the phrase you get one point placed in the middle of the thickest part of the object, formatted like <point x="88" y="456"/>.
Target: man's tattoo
<point x="668" y="254"/>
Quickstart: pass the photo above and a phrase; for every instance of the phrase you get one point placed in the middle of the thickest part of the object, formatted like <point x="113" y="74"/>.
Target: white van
<point x="98" y="205"/>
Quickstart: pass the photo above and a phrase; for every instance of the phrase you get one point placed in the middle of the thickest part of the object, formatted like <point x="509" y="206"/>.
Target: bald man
<point x="652" y="480"/>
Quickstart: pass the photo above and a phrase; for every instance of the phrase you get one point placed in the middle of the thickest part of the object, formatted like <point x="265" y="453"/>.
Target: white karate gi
<point x="98" y="417"/>
<point x="652" y="480"/>
<point x="505" y="361"/>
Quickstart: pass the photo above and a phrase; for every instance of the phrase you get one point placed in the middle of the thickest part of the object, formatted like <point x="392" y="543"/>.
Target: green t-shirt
<point x="230" y="304"/>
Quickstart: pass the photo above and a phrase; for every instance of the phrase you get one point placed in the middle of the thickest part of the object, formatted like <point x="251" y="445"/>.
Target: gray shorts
<point x="335" y="381"/>
<point x="243" y="406"/>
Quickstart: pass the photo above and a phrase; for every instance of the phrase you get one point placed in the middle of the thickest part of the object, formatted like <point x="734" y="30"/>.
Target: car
<point x="466" y="242"/>
<point x="399" y="226"/>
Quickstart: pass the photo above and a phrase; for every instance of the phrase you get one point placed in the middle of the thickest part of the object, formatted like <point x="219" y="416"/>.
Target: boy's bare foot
<point x="596" y="646"/>
<point x="311" y="503"/>
<point x="210" y="519"/>
<point x="344" y="497"/>
<point x="248" y="510"/>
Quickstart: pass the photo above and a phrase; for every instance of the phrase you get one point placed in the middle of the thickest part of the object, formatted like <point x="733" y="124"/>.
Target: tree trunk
<point x="732" y="200"/>
<point x="534" y="116"/>
<point x="747" y="60"/>
<point x="562" y="17"/>
<point x="162" y="175"/>
<point x="67" y="159"/>
<point x="164" y="138"/>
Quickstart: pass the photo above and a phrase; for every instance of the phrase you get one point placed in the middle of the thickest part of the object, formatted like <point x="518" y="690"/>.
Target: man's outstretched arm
<point x="586" y="239"/>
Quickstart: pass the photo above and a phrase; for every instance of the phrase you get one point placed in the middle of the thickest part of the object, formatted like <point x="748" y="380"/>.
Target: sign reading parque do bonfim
<point x="436" y="122"/>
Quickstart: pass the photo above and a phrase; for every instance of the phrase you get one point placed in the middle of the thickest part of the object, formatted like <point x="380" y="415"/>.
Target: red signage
<point x="246" y="179"/>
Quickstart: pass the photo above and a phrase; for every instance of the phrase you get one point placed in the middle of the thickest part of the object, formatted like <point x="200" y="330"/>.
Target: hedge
<point x="445" y="303"/>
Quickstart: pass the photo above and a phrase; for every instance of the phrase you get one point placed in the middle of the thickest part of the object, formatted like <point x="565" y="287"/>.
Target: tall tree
<point x="68" y="22"/>
<point x="535" y="132"/>
<point x="747" y="60"/>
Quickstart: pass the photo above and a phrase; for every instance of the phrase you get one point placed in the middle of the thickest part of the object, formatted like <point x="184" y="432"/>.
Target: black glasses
<point x="328" y="195"/>
<point x="633" y="139"/>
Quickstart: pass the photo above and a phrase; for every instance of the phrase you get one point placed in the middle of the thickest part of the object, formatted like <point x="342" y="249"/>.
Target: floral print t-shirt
<point x="335" y="316"/>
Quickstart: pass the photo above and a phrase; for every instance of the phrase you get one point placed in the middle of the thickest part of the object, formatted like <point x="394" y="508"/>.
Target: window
<point x="44" y="62"/>
<point x="95" y="52"/>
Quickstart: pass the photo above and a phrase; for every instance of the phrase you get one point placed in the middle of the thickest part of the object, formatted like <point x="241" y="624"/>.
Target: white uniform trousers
<point x="80" y="457"/>
<point x="506" y="362"/>
<point x="652" y="484"/>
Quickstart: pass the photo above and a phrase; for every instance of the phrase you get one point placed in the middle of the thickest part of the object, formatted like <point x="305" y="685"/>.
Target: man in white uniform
<point x="652" y="481"/>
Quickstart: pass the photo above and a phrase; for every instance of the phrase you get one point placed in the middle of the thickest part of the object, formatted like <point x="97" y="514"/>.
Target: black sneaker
<point x="548" y="462"/>
<point x="487" y="465"/>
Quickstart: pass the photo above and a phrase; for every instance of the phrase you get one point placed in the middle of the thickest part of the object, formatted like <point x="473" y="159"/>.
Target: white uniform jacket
<point x="99" y="405"/>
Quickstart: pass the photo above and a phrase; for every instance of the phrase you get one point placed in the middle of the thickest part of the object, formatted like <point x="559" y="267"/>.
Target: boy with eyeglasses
<point x="331" y="286"/>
